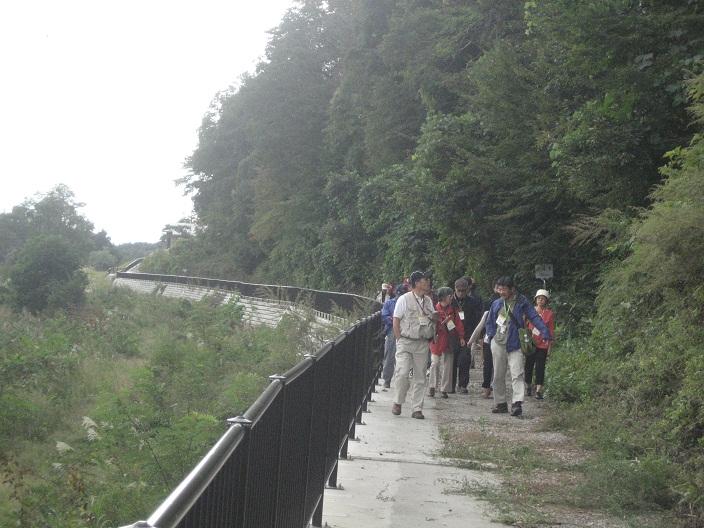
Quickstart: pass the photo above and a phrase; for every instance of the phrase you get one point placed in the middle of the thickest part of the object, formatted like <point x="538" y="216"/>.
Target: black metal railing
<point x="271" y="466"/>
<point x="323" y="301"/>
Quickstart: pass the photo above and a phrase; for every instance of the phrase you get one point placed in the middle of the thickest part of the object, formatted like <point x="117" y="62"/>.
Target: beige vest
<point x="415" y="324"/>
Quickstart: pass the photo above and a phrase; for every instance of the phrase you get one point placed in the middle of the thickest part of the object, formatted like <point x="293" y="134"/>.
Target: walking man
<point x="413" y="326"/>
<point x="469" y="308"/>
<point x="506" y="315"/>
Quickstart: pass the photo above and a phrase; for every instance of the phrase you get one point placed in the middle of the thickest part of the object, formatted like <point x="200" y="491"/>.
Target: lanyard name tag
<point x="423" y="320"/>
<point x="450" y="325"/>
<point x="501" y="320"/>
<point x="461" y="314"/>
<point x="536" y="332"/>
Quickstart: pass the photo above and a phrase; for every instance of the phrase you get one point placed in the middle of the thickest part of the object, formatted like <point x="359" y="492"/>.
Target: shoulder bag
<point x="524" y="336"/>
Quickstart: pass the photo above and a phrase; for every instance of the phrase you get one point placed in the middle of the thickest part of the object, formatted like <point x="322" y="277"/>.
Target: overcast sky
<point x="107" y="96"/>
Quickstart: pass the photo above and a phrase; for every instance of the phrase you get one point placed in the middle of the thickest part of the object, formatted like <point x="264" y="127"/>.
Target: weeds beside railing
<point x="270" y="468"/>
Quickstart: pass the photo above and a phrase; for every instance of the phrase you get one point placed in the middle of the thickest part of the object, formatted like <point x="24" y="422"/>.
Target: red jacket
<point x="549" y="319"/>
<point x="441" y="343"/>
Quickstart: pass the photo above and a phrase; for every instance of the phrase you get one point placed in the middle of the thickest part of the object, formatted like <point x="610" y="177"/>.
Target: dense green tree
<point x="54" y="213"/>
<point x="47" y="274"/>
<point x="102" y="260"/>
<point x="514" y="126"/>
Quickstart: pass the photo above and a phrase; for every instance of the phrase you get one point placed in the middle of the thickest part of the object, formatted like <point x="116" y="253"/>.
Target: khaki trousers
<point x="436" y="371"/>
<point x="411" y="359"/>
<point x="448" y="359"/>
<point x="515" y="361"/>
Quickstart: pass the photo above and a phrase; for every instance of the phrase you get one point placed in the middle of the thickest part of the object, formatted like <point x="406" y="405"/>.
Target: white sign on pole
<point x="543" y="271"/>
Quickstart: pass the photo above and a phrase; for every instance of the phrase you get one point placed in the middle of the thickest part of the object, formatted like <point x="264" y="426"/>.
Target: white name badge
<point x="450" y="325"/>
<point x="423" y="320"/>
<point x="461" y="314"/>
<point x="501" y="320"/>
<point x="536" y="332"/>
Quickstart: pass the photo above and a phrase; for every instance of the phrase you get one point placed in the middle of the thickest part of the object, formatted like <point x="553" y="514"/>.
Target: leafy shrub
<point x="641" y="372"/>
<point x="102" y="260"/>
<point x="47" y="274"/>
<point x="577" y="372"/>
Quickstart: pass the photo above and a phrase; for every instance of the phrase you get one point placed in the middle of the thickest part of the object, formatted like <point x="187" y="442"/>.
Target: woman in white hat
<point x="542" y="347"/>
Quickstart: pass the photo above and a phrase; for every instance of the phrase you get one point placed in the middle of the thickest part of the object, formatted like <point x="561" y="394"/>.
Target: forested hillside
<point x="462" y="136"/>
<point x="484" y="137"/>
<point x="376" y="137"/>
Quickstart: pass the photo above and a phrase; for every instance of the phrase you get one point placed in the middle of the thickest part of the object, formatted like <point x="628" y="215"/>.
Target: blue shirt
<point x="387" y="314"/>
<point x="522" y="308"/>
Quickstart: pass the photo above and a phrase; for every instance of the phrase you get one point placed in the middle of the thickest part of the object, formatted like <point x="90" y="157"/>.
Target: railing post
<point x="277" y="496"/>
<point x="332" y="481"/>
<point x="343" y="451"/>
<point x="317" y="521"/>
<point x="358" y="418"/>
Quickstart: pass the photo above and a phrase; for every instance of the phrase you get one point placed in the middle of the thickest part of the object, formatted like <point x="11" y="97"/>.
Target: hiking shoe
<point x="387" y="384"/>
<point x="431" y="392"/>
<point x="487" y="394"/>
<point x="396" y="409"/>
<point x="539" y="395"/>
<point x="444" y="395"/>
<point x="500" y="408"/>
<point x="464" y="390"/>
<point x="418" y="415"/>
<point x="529" y="391"/>
<point x="516" y="409"/>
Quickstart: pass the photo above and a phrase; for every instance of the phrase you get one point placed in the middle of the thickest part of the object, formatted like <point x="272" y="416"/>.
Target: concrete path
<point x="394" y="477"/>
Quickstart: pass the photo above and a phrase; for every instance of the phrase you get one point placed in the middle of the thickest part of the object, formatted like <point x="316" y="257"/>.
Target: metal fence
<point x="271" y="466"/>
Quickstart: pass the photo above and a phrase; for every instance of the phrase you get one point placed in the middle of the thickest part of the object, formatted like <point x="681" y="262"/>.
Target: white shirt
<point x="402" y="304"/>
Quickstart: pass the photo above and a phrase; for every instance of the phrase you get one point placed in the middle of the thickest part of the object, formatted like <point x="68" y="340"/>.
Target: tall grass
<point x="103" y="410"/>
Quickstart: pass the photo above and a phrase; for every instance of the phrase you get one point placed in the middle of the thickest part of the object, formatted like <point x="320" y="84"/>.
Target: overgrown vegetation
<point x="485" y="137"/>
<point x="103" y="410"/>
<point x="380" y="136"/>
<point x="633" y="389"/>
<point x="546" y="480"/>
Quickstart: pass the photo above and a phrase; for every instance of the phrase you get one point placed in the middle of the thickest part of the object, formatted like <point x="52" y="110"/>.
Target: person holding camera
<point x="413" y="327"/>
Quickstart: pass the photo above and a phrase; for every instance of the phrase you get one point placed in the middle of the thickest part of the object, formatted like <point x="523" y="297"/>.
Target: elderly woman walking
<point x="542" y="346"/>
<point x="449" y="326"/>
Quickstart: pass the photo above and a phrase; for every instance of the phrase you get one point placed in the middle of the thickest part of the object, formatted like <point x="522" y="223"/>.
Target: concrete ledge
<point x="257" y="311"/>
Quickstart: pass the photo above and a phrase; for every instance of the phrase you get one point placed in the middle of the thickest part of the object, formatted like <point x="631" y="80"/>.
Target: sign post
<point x="543" y="272"/>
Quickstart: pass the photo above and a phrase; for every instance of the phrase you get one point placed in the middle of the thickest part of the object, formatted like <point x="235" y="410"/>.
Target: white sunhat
<point x="544" y="293"/>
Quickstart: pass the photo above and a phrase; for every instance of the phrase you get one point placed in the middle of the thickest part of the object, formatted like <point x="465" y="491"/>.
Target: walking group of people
<point x="439" y="329"/>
